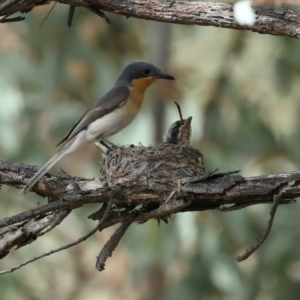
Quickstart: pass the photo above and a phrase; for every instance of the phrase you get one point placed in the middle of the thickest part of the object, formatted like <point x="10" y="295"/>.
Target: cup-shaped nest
<point x="151" y="173"/>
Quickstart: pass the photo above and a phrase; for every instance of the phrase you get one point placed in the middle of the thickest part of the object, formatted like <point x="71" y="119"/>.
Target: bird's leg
<point x="109" y="145"/>
<point x="105" y="146"/>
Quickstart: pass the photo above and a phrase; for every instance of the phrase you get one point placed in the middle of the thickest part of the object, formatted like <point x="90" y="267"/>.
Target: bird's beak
<point x="187" y="124"/>
<point x="165" y="76"/>
<point x="185" y="132"/>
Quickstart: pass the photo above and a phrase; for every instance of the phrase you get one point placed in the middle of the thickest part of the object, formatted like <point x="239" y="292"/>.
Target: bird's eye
<point x="146" y="72"/>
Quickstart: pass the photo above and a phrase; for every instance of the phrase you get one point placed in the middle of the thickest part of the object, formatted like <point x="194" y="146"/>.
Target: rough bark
<point x="161" y="180"/>
<point x="282" y="22"/>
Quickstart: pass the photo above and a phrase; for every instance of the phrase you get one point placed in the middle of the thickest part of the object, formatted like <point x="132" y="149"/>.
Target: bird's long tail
<point x="43" y="170"/>
<point x="71" y="145"/>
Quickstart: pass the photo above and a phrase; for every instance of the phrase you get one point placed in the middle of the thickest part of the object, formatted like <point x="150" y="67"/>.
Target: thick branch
<point x="212" y="193"/>
<point x="161" y="198"/>
<point x="283" y="22"/>
<point x="26" y="232"/>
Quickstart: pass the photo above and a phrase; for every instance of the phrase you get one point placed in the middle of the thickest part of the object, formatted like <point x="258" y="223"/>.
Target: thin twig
<point x="51" y="9"/>
<point x="85" y="237"/>
<point x="276" y="201"/>
<point x="180" y="114"/>
<point x="244" y="205"/>
<point x="10" y="20"/>
<point x="70" y="15"/>
<point x="170" y="196"/>
<point x="99" y="13"/>
<point x="51" y="252"/>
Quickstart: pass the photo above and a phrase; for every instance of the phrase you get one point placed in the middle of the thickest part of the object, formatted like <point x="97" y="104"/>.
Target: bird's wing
<point x="113" y="99"/>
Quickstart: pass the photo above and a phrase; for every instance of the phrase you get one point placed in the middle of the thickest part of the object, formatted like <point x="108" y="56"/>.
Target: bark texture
<point x="149" y="182"/>
<point x="279" y="21"/>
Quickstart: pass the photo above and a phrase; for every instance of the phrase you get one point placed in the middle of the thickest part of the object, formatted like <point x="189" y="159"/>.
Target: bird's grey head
<point x="142" y="70"/>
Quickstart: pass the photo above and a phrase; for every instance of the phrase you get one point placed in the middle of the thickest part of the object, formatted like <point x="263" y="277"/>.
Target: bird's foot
<point x="109" y="145"/>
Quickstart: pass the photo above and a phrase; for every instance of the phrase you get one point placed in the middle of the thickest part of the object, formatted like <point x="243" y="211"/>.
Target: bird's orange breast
<point x="137" y="91"/>
<point x="140" y="85"/>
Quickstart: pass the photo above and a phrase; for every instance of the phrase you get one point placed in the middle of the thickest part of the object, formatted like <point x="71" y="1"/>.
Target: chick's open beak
<point x="185" y="132"/>
<point x="186" y="125"/>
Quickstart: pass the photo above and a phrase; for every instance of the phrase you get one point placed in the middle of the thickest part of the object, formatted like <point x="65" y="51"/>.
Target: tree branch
<point x="144" y="182"/>
<point x="282" y="22"/>
<point x="214" y="193"/>
<point x="263" y="237"/>
<point x="85" y="237"/>
<point x="26" y="232"/>
<point x="211" y="194"/>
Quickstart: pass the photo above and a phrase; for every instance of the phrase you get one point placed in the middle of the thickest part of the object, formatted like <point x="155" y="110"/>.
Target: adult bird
<point x="110" y="114"/>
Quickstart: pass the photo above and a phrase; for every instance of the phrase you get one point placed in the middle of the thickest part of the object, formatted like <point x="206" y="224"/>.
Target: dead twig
<point x="241" y="206"/>
<point x="85" y="237"/>
<point x="170" y="197"/>
<point x="51" y="252"/>
<point x="48" y="14"/>
<point x="180" y="114"/>
<point x="10" y="20"/>
<point x="99" y="13"/>
<point x="113" y="242"/>
<point x="71" y="15"/>
<point x="276" y="201"/>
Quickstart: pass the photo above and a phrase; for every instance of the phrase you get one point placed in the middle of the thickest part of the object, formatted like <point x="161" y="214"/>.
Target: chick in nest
<point x="180" y="131"/>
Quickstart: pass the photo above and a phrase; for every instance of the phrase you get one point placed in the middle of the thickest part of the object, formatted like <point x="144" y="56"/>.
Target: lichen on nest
<point x="151" y="172"/>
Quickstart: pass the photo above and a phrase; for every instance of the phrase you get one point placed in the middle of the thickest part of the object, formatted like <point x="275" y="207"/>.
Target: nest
<point x="151" y="173"/>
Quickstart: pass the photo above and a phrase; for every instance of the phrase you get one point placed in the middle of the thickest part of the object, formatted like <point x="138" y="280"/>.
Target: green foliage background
<point x="242" y="90"/>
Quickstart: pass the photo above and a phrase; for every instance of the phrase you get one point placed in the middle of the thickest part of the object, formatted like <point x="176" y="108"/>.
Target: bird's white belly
<point x="112" y="123"/>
